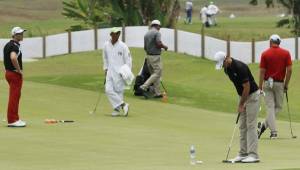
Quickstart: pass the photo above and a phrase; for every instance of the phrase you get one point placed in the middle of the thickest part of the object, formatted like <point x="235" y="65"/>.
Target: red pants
<point x="15" y="81"/>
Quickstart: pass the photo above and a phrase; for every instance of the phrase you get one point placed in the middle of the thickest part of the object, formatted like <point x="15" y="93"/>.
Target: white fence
<point x="178" y="41"/>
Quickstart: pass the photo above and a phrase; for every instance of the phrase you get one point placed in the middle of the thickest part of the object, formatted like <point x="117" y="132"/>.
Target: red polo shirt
<point x="275" y="60"/>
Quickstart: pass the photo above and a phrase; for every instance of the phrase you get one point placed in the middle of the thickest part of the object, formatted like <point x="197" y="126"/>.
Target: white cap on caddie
<point x="17" y="30"/>
<point x="115" y="30"/>
<point x="219" y="58"/>
<point x="275" y="38"/>
<point x="155" y="22"/>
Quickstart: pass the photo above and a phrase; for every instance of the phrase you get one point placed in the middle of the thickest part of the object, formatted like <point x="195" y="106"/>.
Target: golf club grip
<point x="286" y="95"/>
<point x="237" y="119"/>
<point x="66" y="121"/>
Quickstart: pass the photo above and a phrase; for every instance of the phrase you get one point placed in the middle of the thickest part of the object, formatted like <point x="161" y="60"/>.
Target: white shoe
<point x="237" y="159"/>
<point x="115" y="113"/>
<point x="18" y="123"/>
<point x="126" y="109"/>
<point x="250" y="159"/>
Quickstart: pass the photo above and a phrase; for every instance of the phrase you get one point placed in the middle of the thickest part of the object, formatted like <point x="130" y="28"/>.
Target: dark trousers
<point x="189" y="15"/>
<point x="15" y="82"/>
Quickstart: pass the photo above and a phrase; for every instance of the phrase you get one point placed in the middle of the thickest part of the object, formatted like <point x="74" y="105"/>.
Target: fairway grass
<point x="154" y="136"/>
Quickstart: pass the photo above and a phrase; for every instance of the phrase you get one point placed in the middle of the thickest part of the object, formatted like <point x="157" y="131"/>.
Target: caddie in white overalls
<point x="117" y="65"/>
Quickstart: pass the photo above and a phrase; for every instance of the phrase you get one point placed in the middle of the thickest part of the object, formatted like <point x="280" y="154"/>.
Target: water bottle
<point x="193" y="155"/>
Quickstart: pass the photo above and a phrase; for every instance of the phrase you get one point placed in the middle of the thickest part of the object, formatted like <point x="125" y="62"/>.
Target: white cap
<point x="115" y="30"/>
<point x="17" y="30"/>
<point x="275" y="38"/>
<point x="155" y="22"/>
<point x="219" y="58"/>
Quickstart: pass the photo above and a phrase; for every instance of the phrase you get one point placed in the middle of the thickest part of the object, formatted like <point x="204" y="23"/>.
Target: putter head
<point x="294" y="137"/>
<point x="228" y="161"/>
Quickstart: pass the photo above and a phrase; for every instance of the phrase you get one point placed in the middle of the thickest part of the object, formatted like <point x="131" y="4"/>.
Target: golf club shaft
<point x="289" y="114"/>
<point x="236" y="123"/>
<point x="163" y="86"/>
<point x="99" y="97"/>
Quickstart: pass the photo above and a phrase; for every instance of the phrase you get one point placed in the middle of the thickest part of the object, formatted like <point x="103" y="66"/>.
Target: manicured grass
<point x="189" y="81"/>
<point x="240" y="28"/>
<point x="156" y="135"/>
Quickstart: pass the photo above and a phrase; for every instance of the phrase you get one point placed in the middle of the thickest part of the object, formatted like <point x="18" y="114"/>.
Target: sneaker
<point x="125" y="109"/>
<point x="237" y="159"/>
<point x="273" y="136"/>
<point x="115" y="113"/>
<point x="250" y="159"/>
<point x="261" y="129"/>
<point x="144" y="93"/>
<point x="18" y="123"/>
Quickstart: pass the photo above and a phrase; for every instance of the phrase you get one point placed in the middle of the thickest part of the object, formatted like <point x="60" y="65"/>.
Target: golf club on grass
<point x="229" y="148"/>
<point x="288" y="107"/>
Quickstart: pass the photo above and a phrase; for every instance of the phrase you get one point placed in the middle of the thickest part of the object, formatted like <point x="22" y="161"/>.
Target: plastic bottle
<point x="193" y="155"/>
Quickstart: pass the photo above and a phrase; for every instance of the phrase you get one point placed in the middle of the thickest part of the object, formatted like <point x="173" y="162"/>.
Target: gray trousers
<point x="248" y="123"/>
<point x="273" y="99"/>
<point x="155" y="68"/>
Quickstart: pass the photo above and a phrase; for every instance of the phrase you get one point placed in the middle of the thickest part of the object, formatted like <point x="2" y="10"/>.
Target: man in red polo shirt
<point x="275" y="74"/>
<point x="14" y="76"/>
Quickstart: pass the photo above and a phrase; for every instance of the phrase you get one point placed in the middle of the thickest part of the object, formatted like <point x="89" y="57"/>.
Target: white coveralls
<point x="114" y="57"/>
<point x="203" y="14"/>
<point x="212" y="12"/>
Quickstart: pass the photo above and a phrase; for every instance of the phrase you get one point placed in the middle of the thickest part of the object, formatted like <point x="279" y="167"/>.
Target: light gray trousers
<point x="273" y="99"/>
<point x="248" y="123"/>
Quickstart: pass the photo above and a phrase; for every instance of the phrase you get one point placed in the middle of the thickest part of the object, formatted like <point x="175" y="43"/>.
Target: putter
<point x="288" y="107"/>
<point x="229" y="148"/>
<point x="99" y="99"/>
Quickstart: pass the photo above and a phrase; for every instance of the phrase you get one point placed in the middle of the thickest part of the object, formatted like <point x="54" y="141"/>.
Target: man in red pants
<point x="14" y="76"/>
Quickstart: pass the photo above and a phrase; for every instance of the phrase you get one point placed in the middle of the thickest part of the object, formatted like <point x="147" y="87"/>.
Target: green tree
<point x="118" y="12"/>
<point x="93" y="13"/>
<point x="293" y="8"/>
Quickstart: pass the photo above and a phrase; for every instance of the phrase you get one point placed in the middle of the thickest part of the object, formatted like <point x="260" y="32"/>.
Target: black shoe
<point x="273" y="136"/>
<point x="262" y="128"/>
<point x="158" y="96"/>
<point x="144" y="93"/>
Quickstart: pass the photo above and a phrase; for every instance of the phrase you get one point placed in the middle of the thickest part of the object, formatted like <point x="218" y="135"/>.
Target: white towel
<point x="126" y="74"/>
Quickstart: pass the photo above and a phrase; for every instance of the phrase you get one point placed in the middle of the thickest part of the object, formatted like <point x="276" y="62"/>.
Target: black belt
<point x="277" y="81"/>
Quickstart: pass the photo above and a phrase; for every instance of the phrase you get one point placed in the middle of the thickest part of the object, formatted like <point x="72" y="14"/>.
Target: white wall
<point x="189" y="43"/>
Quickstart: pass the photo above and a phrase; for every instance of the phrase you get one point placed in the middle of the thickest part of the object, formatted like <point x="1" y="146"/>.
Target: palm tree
<point x="92" y="12"/>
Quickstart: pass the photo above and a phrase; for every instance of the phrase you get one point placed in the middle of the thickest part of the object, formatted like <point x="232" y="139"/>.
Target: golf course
<point x="200" y="108"/>
<point x="201" y="111"/>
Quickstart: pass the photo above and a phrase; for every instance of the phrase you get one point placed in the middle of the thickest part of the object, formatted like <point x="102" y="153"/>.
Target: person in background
<point x="189" y="11"/>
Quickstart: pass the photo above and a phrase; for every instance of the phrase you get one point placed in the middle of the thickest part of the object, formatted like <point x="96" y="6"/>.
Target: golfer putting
<point x="248" y="106"/>
<point x="117" y="65"/>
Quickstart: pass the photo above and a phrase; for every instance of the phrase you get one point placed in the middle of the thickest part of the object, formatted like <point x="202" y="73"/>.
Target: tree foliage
<point x="292" y="7"/>
<point x="119" y="12"/>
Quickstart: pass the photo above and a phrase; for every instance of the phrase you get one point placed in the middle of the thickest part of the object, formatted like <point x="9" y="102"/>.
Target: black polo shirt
<point x="239" y="73"/>
<point x="12" y="46"/>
